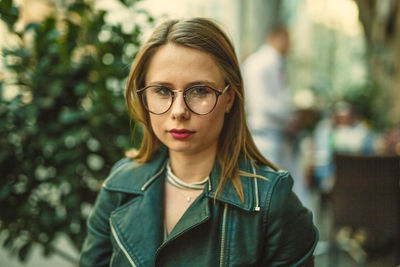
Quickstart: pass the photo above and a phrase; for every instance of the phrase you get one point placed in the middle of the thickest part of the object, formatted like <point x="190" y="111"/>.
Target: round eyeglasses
<point x="199" y="99"/>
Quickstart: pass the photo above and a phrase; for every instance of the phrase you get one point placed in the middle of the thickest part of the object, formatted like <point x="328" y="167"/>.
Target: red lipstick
<point x="180" y="133"/>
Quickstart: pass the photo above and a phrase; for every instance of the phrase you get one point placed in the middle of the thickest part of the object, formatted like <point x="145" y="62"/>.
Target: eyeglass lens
<point x="199" y="99"/>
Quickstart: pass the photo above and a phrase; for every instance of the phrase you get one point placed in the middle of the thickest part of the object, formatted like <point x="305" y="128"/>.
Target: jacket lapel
<point x="196" y="214"/>
<point x="228" y="193"/>
<point x="139" y="226"/>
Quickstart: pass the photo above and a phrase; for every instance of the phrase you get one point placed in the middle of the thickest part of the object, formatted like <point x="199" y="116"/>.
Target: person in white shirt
<point x="272" y="122"/>
<point x="268" y="96"/>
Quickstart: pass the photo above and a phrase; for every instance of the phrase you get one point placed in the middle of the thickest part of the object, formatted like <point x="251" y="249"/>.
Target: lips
<point x="180" y="134"/>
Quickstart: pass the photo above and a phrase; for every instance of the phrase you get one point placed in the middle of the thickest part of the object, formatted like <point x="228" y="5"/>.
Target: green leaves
<point x="66" y="124"/>
<point x="8" y="13"/>
<point x="24" y="251"/>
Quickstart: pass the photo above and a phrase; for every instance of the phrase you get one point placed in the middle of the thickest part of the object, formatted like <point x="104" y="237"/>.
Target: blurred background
<point x="63" y="122"/>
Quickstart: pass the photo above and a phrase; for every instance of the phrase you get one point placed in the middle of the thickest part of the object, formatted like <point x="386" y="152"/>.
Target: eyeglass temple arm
<point x="226" y="88"/>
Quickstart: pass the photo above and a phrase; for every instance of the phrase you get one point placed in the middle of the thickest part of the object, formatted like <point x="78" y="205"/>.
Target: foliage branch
<point x="67" y="122"/>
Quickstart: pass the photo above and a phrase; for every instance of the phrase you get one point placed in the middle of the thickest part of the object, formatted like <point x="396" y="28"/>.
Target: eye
<point x="200" y="91"/>
<point x="161" y="90"/>
<point x="158" y="91"/>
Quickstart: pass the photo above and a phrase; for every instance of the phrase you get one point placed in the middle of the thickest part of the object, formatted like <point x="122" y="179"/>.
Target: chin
<point x="182" y="148"/>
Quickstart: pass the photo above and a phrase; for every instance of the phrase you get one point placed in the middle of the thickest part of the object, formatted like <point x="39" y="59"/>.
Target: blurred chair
<point x="366" y="204"/>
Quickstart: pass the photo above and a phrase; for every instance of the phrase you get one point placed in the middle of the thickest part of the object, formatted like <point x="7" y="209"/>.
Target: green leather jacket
<point x="125" y="227"/>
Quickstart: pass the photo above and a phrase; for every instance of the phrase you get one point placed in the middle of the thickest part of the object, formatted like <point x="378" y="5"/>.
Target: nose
<point x="179" y="109"/>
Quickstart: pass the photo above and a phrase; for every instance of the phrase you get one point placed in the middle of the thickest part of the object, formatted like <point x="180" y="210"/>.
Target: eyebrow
<point x="200" y="82"/>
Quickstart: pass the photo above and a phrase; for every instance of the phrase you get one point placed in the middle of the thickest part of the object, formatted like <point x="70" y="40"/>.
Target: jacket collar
<point x="228" y="193"/>
<point x="130" y="177"/>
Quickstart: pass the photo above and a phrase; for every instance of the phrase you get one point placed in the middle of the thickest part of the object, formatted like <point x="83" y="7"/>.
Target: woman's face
<point x="179" y="67"/>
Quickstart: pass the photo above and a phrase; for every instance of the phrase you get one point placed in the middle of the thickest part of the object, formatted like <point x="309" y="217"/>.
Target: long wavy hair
<point x="235" y="139"/>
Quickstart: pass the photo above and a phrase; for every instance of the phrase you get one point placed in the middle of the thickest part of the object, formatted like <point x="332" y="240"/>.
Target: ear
<point x="230" y="99"/>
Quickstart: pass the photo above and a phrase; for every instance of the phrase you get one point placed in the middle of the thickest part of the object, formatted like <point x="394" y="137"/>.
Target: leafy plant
<point x="67" y="124"/>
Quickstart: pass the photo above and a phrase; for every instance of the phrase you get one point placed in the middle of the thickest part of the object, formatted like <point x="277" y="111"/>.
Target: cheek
<point x="216" y="122"/>
<point x="156" y="124"/>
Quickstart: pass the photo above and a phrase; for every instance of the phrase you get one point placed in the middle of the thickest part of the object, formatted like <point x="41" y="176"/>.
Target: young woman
<point x="198" y="192"/>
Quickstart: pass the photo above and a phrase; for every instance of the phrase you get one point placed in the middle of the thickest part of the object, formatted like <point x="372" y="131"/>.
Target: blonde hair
<point x="235" y="139"/>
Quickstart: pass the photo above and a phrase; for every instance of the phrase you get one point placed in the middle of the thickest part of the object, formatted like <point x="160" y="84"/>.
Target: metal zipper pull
<point x="257" y="199"/>
<point x="223" y="236"/>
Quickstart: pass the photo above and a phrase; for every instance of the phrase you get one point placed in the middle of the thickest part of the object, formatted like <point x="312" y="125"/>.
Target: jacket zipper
<point x="257" y="207"/>
<point x="114" y="233"/>
<point x="223" y="236"/>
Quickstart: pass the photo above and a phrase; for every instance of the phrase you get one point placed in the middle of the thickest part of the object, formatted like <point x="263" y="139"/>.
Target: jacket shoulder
<point x="275" y="190"/>
<point x="271" y="176"/>
<point x="120" y="163"/>
<point x="121" y="176"/>
<point x="130" y="176"/>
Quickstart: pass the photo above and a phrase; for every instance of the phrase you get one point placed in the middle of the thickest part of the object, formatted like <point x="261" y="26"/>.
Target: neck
<point x="192" y="168"/>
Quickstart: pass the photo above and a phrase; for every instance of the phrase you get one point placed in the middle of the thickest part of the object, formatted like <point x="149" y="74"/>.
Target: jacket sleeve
<point x="291" y="236"/>
<point x="97" y="247"/>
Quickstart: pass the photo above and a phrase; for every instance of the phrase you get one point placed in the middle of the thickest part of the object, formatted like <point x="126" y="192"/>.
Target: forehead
<point x="179" y="65"/>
